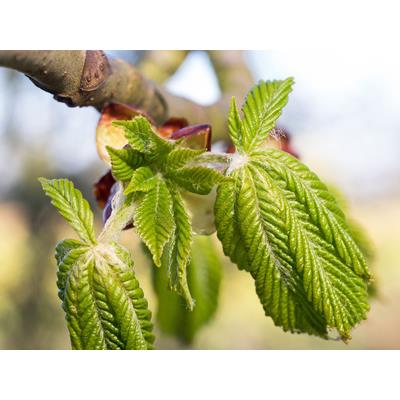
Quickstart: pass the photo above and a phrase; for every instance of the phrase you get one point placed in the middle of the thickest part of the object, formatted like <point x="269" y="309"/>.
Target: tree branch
<point x="87" y="78"/>
<point x="159" y="65"/>
<point x="90" y="78"/>
<point x="234" y="76"/>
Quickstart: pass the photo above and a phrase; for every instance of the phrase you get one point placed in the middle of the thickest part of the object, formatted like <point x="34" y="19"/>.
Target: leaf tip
<point x="119" y="123"/>
<point x="190" y="304"/>
<point x="43" y="181"/>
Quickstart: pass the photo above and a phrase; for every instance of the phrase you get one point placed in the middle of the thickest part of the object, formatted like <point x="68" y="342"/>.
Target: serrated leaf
<point x="104" y="305"/>
<point x="358" y="233"/>
<point x="204" y="278"/>
<point x="197" y="179"/>
<point x="142" y="180"/>
<point x="71" y="205"/>
<point x="281" y="293"/>
<point x="263" y="106"/>
<point x="67" y="253"/>
<point x="228" y="227"/>
<point x="176" y="256"/>
<point x="124" y="162"/>
<point x="235" y="124"/>
<point x="142" y="137"/>
<point x="178" y="157"/>
<point x="308" y="270"/>
<point x="154" y="219"/>
<point x="322" y="207"/>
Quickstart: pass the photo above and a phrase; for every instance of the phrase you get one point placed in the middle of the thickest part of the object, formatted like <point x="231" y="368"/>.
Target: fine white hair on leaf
<point x="121" y="215"/>
<point x="237" y="161"/>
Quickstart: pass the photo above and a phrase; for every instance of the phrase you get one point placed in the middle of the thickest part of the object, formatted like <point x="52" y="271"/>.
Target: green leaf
<point x="67" y="253"/>
<point x="322" y="207"/>
<point x="142" y="180"/>
<point x="295" y="241"/>
<point x="364" y="243"/>
<point x="142" y="138"/>
<point x="204" y="279"/>
<point x="124" y="162"/>
<point x="358" y="233"/>
<point x="197" y="179"/>
<point x="154" y="219"/>
<point x="71" y="205"/>
<point x="228" y="227"/>
<point x="263" y="106"/>
<point x="235" y="125"/>
<point x="178" y="157"/>
<point x="104" y="305"/>
<point x="280" y="291"/>
<point x="176" y="255"/>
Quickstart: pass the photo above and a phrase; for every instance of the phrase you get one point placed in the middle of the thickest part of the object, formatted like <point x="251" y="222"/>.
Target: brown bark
<point x="87" y="78"/>
<point x="90" y="78"/>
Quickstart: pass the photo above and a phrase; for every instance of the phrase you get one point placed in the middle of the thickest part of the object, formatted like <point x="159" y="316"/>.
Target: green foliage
<point x="161" y="218"/>
<point x="154" y="219"/>
<point x="278" y="221"/>
<point x="263" y="106"/>
<point x="235" y="125"/>
<point x="142" y="138"/>
<point x="274" y="217"/>
<point x="67" y="253"/>
<point x="178" y="157"/>
<point x="177" y="253"/>
<point x="142" y="180"/>
<point x="357" y="231"/>
<point x="197" y="179"/>
<point x="124" y="162"/>
<point x="104" y="305"/>
<point x="204" y="279"/>
<point x="72" y="206"/>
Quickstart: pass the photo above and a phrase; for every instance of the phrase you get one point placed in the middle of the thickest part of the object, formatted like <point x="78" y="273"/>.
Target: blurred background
<point x="344" y="121"/>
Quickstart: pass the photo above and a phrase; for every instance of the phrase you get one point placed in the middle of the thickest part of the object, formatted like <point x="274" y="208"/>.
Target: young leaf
<point x="154" y="219"/>
<point x="358" y="233"/>
<point x="104" y="305"/>
<point x="204" y="278"/>
<point x="279" y="289"/>
<point x="197" y="179"/>
<point x="235" y="125"/>
<point x="178" y="157"/>
<point x="176" y="256"/>
<point x="142" y="180"/>
<point x="71" y="205"/>
<point x="124" y="162"/>
<point x="142" y="138"/>
<point x="67" y="253"/>
<point x="309" y="272"/>
<point x="263" y="106"/>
